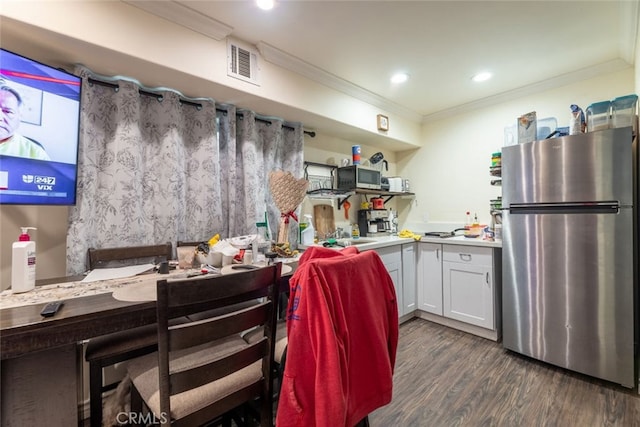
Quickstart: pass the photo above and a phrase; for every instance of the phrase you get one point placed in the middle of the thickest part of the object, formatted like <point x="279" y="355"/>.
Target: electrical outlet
<point x="425" y="217"/>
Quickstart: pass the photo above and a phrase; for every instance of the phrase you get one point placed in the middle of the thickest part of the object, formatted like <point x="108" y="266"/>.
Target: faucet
<point x="336" y="234"/>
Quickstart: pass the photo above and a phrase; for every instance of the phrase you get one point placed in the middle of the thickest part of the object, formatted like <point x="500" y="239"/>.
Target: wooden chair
<point x="99" y="258"/>
<point x="342" y="377"/>
<point x="204" y="369"/>
<point x="117" y="347"/>
<point x="280" y="350"/>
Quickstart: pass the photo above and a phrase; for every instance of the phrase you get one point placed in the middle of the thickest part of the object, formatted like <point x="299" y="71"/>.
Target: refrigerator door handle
<point x="607" y="207"/>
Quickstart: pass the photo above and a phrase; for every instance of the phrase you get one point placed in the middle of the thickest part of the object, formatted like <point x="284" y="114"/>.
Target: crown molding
<point x="184" y="16"/>
<point x="552" y="83"/>
<point x="297" y="65"/>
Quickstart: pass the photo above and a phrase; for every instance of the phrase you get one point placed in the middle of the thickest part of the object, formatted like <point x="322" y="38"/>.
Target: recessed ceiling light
<point x="399" y="78"/>
<point x="481" y="77"/>
<point x="265" y="4"/>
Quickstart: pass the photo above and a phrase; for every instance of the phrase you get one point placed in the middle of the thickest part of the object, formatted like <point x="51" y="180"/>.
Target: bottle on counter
<point x="307" y="232"/>
<point x="393" y="219"/>
<point x="355" y="231"/>
<point x="23" y="262"/>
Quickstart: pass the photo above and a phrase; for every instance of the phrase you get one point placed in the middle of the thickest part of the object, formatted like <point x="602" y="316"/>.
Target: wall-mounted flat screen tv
<point x="39" y="132"/>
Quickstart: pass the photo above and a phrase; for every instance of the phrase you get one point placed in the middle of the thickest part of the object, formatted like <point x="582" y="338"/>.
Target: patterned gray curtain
<point x="153" y="169"/>
<point x="265" y="144"/>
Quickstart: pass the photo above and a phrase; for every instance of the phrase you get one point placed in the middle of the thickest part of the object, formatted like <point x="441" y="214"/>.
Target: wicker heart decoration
<point x="288" y="192"/>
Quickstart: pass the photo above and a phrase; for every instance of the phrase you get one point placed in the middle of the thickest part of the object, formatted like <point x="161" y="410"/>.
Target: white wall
<point x="50" y="238"/>
<point x="450" y="173"/>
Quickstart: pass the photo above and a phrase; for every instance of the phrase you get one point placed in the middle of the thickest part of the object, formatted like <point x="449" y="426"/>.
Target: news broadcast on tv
<point x="39" y="131"/>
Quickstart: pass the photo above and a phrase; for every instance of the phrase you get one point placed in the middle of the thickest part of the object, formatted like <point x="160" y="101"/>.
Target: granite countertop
<point x="75" y="289"/>
<point x="68" y="290"/>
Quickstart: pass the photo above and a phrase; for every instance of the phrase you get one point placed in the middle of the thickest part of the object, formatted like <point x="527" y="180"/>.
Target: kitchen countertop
<point x="367" y="243"/>
<point x="461" y="240"/>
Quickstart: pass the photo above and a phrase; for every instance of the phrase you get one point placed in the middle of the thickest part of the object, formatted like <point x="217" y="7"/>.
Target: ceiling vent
<point x="242" y="62"/>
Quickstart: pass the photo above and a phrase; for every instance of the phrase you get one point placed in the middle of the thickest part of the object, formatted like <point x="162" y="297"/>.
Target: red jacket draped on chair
<point x="342" y="328"/>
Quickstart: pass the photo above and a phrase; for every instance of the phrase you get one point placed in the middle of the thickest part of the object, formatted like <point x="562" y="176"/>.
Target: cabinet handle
<point x="487" y="277"/>
<point x="465" y="257"/>
<point x="438" y="254"/>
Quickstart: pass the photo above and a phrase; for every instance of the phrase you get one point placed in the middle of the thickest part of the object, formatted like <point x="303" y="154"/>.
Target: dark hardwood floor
<point x="446" y="378"/>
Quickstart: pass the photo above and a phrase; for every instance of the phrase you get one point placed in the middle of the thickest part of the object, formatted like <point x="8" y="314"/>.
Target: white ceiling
<point x="355" y="46"/>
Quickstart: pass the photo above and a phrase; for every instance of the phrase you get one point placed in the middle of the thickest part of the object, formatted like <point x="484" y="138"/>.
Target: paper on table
<point x="116" y="273"/>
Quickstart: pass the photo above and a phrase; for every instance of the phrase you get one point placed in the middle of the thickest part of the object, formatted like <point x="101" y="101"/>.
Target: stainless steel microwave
<point x="356" y="176"/>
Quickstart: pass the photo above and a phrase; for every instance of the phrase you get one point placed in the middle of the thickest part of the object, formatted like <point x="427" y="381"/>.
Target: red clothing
<point x="342" y="328"/>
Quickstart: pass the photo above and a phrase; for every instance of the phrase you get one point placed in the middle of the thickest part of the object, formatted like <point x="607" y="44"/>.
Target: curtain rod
<point x="186" y="102"/>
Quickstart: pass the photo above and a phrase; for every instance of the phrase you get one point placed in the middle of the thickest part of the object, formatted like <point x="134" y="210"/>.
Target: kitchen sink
<point x="360" y="241"/>
<point x="342" y="243"/>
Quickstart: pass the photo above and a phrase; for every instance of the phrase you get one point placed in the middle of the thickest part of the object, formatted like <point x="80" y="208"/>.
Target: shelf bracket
<point x="341" y="202"/>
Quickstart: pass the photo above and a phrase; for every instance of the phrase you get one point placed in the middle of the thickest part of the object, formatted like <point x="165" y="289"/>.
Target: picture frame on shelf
<point x="383" y="122"/>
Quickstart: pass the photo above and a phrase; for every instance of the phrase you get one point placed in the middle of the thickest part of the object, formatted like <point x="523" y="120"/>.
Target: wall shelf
<point x="324" y="192"/>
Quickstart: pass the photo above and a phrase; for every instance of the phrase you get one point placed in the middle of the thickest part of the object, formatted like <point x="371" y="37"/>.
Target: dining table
<point x="41" y="358"/>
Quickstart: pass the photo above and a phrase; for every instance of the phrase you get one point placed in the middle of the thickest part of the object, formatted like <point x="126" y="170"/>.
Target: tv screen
<point x="39" y="130"/>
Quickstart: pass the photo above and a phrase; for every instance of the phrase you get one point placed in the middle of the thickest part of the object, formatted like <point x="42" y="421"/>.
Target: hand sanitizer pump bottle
<point x="23" y="262"/>
<point x="307" y="233"/>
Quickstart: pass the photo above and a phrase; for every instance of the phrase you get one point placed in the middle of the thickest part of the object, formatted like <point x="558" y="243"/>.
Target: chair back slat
<point x="100" y="257"/>
<point x="182" y="381"/>
<point x="180" y="243"/>
<point x="192" y="334"/>
<point x="183" y="293"/>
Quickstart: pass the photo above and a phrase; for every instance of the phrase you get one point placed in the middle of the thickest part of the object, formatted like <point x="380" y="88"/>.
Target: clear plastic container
<point x="545" y="127"/>
<point x="598" y="116"/>
<point x="624" y="112"/>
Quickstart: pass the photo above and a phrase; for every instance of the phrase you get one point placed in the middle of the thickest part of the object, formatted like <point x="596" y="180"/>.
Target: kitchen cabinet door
<point x="430" y="278"/>
<point x="408" y="278"/>
<point x="468" y="293"/>
<point x="392" y="260"/>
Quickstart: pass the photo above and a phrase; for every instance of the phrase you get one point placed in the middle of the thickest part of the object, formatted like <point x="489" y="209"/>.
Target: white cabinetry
<point x="459" y="286"/>
<point x="400" y="262"/>
<point x="430" y="278"/>
<point x="408" y="278"/>
<point x="392" y="259"/>
<point x="467" y="284"/>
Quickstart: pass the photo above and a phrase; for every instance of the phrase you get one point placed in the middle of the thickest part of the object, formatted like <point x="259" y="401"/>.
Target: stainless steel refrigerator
<point x="569" y="252"/>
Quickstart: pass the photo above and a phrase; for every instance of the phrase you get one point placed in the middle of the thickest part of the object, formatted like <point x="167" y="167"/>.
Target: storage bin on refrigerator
<point x="624" y="112"/>
<point x="598" y="116"/>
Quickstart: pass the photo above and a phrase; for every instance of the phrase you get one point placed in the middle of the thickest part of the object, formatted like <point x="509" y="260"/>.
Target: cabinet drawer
<point x="390" y="254"/>
<point x="468" y="255"/>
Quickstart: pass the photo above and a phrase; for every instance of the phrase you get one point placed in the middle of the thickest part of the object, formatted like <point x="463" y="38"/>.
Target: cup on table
<point x="164" y="267"/>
